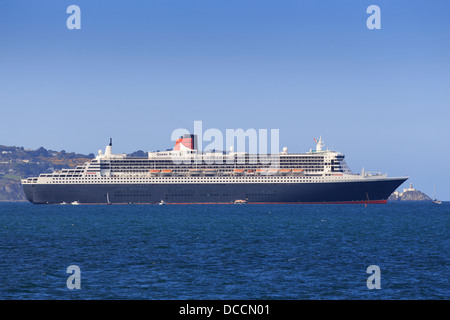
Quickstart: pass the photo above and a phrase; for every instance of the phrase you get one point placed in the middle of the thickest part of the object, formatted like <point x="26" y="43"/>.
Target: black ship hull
<point x="361" y="191"/>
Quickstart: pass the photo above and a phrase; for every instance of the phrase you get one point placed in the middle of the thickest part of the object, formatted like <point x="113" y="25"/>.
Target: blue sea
<point x="231" y="252"/>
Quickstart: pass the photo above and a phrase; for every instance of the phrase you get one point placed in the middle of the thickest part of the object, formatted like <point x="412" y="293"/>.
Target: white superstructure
<point x="186" y="165"/>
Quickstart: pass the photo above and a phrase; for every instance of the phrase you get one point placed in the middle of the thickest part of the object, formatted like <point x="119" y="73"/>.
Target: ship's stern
<point x="28" y="190"/>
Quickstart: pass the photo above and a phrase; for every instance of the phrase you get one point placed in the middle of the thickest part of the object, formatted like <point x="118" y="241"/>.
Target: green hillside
<point x="17" y="163"/>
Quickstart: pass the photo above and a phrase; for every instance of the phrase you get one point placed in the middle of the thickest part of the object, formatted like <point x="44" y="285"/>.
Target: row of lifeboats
<point x="197" y="172"/>
<point x="268" y="171"/>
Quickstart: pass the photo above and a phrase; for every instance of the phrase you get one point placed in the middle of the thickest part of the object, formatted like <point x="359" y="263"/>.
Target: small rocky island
<point x="409" y="194"/>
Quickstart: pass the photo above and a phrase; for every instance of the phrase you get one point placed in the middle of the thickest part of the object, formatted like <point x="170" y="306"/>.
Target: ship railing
<point x="373" y="173"/>
<point x="206" y="173"/>
<point x="216" y="172"/>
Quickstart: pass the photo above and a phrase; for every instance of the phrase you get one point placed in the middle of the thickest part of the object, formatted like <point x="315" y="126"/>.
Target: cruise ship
<point x="184" y="175"/>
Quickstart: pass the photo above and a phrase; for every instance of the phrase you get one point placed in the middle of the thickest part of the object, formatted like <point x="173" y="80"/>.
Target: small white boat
<point x="435" y="200"/>
<point x="75" y="203"/>
<point x="63" y="202"/>
<point x="240" y="202"/>
<point x="162" y="202"/>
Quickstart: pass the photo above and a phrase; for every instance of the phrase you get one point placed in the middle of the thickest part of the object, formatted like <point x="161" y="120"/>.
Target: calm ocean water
<point x="224" y="251"/>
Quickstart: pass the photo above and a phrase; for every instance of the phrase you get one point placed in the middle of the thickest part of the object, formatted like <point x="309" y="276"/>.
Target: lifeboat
<point x="285" y="171"/>
<point x="297" y="171"/>
<point x="195" y="172"/>
<point x="210" y="172"/>
<point x="155" y="171"/>
<point x="166" y="172"/>
<point x="238" y="171"/>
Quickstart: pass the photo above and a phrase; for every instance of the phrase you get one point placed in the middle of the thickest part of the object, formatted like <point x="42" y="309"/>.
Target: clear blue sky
<point x="137" y="70"/>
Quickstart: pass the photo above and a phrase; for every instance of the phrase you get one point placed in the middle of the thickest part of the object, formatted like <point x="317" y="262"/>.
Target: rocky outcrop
<point x="11" y="190"/>
<point x="409" y="194"/>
